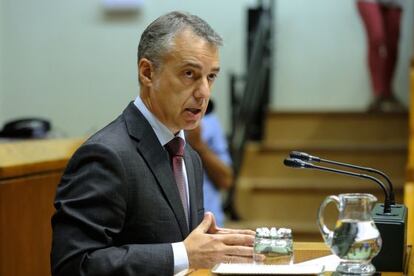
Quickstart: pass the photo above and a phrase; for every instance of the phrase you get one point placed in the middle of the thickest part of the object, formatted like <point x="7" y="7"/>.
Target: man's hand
<point x="208" y="245"/>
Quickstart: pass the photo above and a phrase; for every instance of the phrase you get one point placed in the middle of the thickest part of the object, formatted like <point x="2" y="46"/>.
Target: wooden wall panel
<point x="29" y="174"/>
<point x="26" y="206"/>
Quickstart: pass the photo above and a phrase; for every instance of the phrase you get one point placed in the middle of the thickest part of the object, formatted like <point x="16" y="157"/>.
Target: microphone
<point x="309" y="158"/>
<point x="391" y="222"/>
<point x="298" y="163"/>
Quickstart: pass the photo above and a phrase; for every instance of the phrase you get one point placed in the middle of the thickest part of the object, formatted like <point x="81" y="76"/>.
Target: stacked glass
<point x="273" y="246"/>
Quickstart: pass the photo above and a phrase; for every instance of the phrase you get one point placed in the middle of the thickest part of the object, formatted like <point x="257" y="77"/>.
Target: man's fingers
<point x="206" y="223"/>
<point x="213" y="226"/>
<point x="235" y="231"/>
<point x="241" y="251"/>
<point x="236" y="239"/>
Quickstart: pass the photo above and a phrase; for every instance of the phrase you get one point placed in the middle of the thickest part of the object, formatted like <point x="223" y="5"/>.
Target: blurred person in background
<point x="382" y="20"/>
<point x="210" y="143"/>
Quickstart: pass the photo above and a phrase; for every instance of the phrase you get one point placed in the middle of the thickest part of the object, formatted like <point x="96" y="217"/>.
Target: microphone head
<point x="303" y="156"/>
<point x="295" y="163"/>
<point x="299" y="155"/>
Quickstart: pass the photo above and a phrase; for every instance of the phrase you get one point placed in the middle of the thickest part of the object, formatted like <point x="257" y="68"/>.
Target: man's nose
<point x="203" y="90"/>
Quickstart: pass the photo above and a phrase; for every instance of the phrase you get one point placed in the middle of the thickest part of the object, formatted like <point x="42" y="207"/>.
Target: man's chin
<point x="191" y="126"/>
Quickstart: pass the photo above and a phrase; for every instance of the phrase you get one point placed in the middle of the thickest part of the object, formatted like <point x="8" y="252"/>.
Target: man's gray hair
<point x="157" y="38"/>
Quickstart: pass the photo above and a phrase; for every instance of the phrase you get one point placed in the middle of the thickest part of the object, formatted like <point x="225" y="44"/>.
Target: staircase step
<point x="294" y="203"/>
<point x="270" y="194"/>
<point x="309" y="145"/>
<point x="265" y="161"/>
<point x="302" y="127"/>
<point x="293" y="185"/>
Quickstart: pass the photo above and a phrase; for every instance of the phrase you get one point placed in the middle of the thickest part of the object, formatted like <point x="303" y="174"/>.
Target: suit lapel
<point x="191" y="189"/>
<point x="158" y="161"/>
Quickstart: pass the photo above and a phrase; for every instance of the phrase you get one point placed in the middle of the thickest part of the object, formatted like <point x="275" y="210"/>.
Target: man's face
<point x="178" y="92"/>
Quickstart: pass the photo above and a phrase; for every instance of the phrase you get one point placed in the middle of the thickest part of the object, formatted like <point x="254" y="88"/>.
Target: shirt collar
<point x="163" y="134"/>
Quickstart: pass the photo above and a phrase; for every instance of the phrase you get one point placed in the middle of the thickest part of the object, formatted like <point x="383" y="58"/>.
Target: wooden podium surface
<point x="304" y="251"/>
<point x="29" y="174"/>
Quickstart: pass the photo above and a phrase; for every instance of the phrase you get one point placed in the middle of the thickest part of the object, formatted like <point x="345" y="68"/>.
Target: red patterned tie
<point x="175" y="148"/>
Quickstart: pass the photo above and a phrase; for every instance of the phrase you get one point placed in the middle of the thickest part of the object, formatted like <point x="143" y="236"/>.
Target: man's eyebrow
<point x="216" y="69"/>
<point x="191" y="64"/>
<point x="198" y="66"/>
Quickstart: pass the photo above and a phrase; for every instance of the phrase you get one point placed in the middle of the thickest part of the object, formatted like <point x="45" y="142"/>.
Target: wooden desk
<point x="309" y="250"/>
<point x="29" y="174"/>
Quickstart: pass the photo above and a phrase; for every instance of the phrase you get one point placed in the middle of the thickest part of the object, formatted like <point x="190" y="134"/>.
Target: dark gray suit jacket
<point x="118" y="208"/>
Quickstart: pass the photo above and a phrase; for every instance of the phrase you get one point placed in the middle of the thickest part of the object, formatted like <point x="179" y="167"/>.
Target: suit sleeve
<point x="199" y="175"/>
<point x="91" y="205"/>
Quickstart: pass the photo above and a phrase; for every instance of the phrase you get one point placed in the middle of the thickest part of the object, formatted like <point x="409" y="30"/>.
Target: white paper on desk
<point x="266" y="269"/>
<point x="330" y="262"/>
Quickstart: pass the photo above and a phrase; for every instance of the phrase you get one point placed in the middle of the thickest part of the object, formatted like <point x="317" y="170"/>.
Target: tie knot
<point x="175" y="147"/>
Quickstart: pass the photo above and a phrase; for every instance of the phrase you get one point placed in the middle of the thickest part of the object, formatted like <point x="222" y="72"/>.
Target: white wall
<point x="402" y="76"/>
<point x="2" y="41"/>
<point x="321" y="56"/>
<point x="67" y="61"/>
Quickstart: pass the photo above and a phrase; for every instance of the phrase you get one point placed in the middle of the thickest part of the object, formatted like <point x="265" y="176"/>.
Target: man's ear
<point x="145" y="71"/>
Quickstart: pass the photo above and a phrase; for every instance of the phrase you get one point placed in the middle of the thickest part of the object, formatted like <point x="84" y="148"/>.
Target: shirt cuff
<point x="180" y="256"/>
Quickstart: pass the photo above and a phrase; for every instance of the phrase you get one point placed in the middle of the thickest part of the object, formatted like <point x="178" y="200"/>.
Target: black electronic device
<point x="26" y="128"/>
<point x="390" y="218"/>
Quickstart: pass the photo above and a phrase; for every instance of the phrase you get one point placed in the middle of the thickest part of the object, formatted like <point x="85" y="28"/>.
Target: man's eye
<point x="189" y="74"/>
<point x="212" y="77"/>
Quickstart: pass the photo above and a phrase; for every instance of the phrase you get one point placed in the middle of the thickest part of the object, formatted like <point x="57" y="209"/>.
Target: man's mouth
<point x="195" y="111"/>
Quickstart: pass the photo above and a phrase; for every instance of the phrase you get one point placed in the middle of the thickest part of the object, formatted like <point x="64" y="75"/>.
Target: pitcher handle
<point x="326" y="233"/>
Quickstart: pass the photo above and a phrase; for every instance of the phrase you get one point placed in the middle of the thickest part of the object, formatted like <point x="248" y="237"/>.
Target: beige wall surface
<point x="71" y="62"/>
<point x="74" y="63"/>
<point x="321" y="56"/>
<point x="2" y="38"/>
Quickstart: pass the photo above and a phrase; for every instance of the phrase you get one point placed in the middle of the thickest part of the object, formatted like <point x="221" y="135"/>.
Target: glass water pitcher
<point x="355" y="239"/>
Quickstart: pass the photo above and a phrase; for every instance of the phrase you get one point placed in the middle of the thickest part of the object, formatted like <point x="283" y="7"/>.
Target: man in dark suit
<point x="122" y="207"/>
